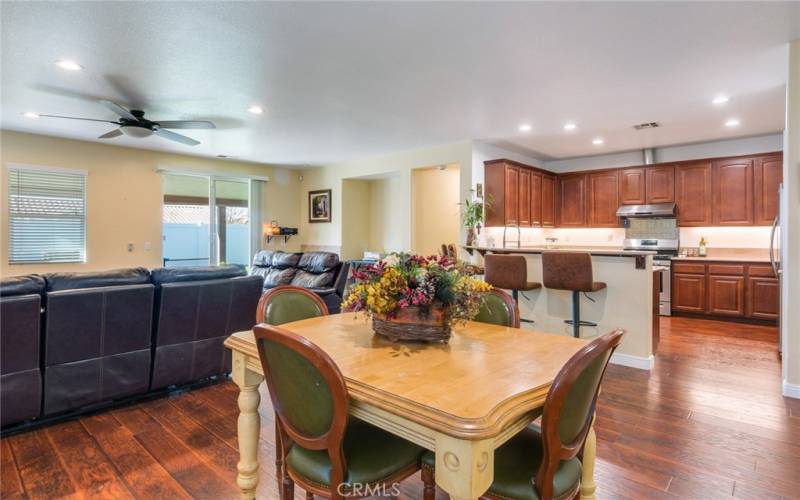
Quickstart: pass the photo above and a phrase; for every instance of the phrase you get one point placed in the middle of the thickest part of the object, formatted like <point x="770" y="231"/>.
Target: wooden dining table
<point x="461" y="400"/>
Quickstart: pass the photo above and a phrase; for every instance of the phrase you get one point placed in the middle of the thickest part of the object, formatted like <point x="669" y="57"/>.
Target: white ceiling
<point x="346" y="80"/>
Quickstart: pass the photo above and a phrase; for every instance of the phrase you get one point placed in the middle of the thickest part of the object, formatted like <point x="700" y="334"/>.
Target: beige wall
<point x="124" y="196"/>
<point x="435" y="198"/>
<point x="355" y="210"/>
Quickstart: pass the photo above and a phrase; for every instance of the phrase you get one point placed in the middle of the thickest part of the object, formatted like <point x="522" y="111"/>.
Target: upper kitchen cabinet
<point x="602" y="197"/>
<point x="660" y="184"/>
<point x="632" y="186"/>
<point x="536" y="199"/>
<point x="732" y="202"/>
<point x="502" y="189"/>
<point x="768" y="176"/>
<point x="524" y="197"/>
<point x="572" y="200"/>
<point x="548" y="200"/>
<point x="693" y="194"/>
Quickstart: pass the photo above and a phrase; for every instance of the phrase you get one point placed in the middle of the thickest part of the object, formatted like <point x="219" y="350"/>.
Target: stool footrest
<point x="581" y="322"/>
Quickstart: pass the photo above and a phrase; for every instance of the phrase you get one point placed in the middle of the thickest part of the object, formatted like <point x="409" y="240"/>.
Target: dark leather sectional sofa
<point x="72" y="342"/>
<point x="321" y="272"/>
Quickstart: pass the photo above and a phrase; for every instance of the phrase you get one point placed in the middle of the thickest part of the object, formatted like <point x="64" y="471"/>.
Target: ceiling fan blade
<point x="172" y="136"/>
<point x="76" y="118"/>
<point x="110" y="135"/>
<point x="185" y="124"/>
<point x="116" y="108"/>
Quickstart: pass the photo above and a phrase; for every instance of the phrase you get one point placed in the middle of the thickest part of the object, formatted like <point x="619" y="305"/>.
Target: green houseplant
<point x="472" y="218"/>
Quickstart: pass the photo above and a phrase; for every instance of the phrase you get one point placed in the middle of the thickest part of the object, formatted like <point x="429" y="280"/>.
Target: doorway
<point x="435" y="209"/>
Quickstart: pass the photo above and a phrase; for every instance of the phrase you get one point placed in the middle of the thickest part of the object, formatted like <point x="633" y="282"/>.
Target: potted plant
<point x="411" y="297"/>
<point x="472" y="217"/>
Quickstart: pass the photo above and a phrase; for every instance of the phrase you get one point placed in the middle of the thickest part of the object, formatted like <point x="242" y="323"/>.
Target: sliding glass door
<point x="205" y="220"/>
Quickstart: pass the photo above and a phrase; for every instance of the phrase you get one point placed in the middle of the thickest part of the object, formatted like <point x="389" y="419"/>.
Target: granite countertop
<point x="732" y="255"/>
<point x="594" y="250"/>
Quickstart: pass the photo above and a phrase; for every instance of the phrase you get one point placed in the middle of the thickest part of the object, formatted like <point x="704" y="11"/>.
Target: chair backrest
<point x="284" y="304"/>
<point x="449" y="250"/>
<point x="509" y="272"/>
<point x="567" y="271"/>
<point x="498" y="308"/>
<point x="569" y="407"/>
<point x="308" y="394"/>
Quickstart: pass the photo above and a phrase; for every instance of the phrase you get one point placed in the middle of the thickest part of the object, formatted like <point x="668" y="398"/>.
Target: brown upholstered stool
<point x="509" y="272"/>
<point x="571" y="271"/>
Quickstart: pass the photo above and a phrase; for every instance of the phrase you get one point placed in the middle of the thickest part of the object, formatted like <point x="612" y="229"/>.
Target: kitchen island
<point x="627" y="301"/>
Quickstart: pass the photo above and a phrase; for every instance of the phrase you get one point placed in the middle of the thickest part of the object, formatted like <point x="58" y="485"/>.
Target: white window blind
<point x="47" y="215"/>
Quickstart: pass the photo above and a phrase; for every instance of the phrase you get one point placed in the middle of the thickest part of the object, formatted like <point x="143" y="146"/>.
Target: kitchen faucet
<point x="519" y="234"/>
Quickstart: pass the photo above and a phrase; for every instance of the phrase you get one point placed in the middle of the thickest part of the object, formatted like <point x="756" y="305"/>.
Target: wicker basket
<point x="414" y="324"/>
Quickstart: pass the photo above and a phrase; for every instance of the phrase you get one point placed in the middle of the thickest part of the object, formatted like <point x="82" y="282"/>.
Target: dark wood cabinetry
<point x="660" y="184"/>
<point x="767" y="177"/>
<point x="572" y="200"/>
<point x="632" y="186"/>
<point x="602" y="199"/>
<point x="524" y="197"/>
<point x="725" y="289"/>
<point x="693" y="194"/>
<point x="548" y="201"/>
<point x="732" y="203"/>
<point x="536" y="199"/>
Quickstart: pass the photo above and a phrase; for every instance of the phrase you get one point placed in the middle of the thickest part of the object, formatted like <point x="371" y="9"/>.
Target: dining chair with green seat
<point x="322" y="449"/>
<point x="284" y="304"/>
<point x="498" y="308"/>
<point x="545" y="463"/>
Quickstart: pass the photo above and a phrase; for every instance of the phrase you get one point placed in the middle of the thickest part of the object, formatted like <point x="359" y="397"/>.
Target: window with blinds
<point x="46" y="215"/>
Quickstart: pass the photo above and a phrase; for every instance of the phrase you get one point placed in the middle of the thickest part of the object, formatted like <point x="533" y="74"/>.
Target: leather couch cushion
<point x="318" y="262"/>
<point x="285" y="260"/>
<point x="19" y="333"/>
<point x="263" y="258"/>
<point x="371" y="455"/>
<point x="114" y="277"/>
<point x="307" y="279"/>
<point x="199" y="273"/>
<point x="22" y="285"/>
<point x="20" y="397"/>
<point x="277" y="277"/>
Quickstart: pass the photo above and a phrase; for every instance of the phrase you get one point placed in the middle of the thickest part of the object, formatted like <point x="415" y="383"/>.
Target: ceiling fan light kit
<point x="132" y="123"/>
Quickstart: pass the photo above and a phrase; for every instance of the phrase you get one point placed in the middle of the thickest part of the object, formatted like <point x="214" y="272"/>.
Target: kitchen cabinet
<point x="602" y="199"/>
<point x="632" y="186"/>
<point x="767" y="177"/>
<point x="726" y="295"/>
<point x="763" y="293"/>
<point x="536" y="199"/>
<point x="660" y="184"/>
<point x="572" y="200"/>
<point x="548" y="201"/>
<point x="502" y="188"/>
<point x="689" y="293"/>
<point x="693" y="194"/>
<point x="732" y="203"/>
<point x="524" y="197"/>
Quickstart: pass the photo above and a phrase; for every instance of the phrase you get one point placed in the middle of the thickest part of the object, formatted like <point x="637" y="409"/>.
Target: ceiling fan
<point x="133" y="124"/>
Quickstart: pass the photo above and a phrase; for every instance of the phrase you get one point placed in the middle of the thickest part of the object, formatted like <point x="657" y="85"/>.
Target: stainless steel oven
<point x="664" y="268"/>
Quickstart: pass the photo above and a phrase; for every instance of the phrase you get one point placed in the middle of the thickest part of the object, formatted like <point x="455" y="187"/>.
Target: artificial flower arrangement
<point x="411" y="297"/>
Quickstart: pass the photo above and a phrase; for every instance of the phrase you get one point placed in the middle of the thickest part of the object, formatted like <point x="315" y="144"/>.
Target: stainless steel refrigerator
<point x="776" y="249"/>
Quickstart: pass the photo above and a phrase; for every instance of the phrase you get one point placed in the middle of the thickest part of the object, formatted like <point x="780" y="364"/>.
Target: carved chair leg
<point x="309" y="496"/>
<point x="278" y="453"/>
<point x="429" y="482"/>
<point x="287" y="487"/>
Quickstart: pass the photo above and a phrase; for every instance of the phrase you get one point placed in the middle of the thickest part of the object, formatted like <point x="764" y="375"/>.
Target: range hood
<point x="654" y="210"/>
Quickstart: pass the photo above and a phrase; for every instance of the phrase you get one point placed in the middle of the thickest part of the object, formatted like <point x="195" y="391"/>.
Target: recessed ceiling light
<point x="733" y="122"/>
<point x="525" y="127"/>
<point x="256" y="110"/>
<point x="720" y="99"/>
<point x="31" y="115"/>
<point x="570" y="126"/>
<point x="597" y="141"/>
<point x="68" y="65"/>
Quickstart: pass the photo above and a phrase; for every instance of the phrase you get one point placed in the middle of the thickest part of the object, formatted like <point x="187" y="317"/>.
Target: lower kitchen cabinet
<point x="689" y="293"/>
<point x="726" y="295"/>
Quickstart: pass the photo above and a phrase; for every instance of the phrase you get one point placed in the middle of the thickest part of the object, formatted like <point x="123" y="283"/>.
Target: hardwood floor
<point x="708" y="422"/>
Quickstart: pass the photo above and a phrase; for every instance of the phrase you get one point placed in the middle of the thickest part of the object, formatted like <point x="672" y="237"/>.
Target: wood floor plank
<point x="40" y="468"/>
<point x="142" y="473"/>
<point x="10" y="482"/>
<point x="91" y="471"/>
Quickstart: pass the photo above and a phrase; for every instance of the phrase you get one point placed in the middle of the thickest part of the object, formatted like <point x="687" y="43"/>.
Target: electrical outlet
<point x="130" y="247"/>
<point x="148" y="246"/>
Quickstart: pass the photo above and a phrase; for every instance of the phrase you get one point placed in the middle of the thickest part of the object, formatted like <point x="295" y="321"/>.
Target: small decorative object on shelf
<point x="416" y="298"/>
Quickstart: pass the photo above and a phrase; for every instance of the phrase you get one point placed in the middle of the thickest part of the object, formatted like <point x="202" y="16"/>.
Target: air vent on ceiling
<point x="643" y="126"/>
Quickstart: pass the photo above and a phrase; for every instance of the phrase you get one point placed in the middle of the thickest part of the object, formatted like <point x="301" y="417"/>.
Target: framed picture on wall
<point x="319" y="205"/>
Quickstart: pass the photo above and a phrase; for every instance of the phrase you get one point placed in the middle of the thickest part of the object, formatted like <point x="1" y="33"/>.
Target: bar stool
<point x="509" y="272"/>
<point x="571" y="271"/>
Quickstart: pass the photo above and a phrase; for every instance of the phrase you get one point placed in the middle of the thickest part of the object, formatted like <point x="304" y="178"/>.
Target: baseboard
<point x="633" y="361"/>
<point x="791" y="390"/>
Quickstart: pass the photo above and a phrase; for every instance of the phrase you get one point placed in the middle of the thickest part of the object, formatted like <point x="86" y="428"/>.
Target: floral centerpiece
<point x="411" y="297"/>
